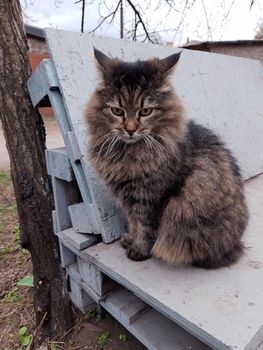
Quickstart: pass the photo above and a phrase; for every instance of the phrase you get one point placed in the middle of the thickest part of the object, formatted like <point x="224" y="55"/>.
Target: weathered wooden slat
<point x="73" y="271"/>
<point x="65" y="194"/>
<point x="78" y="295"/>
<point x="95" y="279"/>
<point x="128" y="306"/>
<point x="83" y="218"/>
<point x="75" y="154"/>
<point x="67" y="257"/>
<point x="41" y="81"/>
<point x="109" y="219"/>
<point x="154" y="330"/>
<point x="54" y="221"/>
<point x="77" y="240"/>
<point x="58" y="164"/>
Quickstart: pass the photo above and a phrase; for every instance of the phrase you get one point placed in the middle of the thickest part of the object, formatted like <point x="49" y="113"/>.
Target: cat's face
<point x="135" y="99"/>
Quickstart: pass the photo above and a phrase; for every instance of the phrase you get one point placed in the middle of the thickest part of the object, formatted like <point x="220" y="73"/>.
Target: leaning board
<point x="222" y="92"/>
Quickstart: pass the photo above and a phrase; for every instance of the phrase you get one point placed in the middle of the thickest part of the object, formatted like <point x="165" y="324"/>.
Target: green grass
<point x="14" y="245"/>
<point x="12" y="297"/>
<point x="16" y="232"/>
<point x="102" y="339"/>
<point x="2" y="208"/>
<point x="4" y="178"/>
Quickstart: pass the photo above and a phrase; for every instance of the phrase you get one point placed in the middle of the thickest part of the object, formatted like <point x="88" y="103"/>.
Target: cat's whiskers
<point x="102" y="148"/>
<point x="156" y="149"/>
<point x="166" y="141"/>
<point x="112" y="144"/>
<point x="157" y="146"/>
<point x="98" y="142"/>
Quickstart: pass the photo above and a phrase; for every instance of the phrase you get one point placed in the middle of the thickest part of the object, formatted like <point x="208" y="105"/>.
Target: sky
<point x="204" y="20"/>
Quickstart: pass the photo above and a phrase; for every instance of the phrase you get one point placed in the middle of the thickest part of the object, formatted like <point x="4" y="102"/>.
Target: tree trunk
<point x="25" y="139"/>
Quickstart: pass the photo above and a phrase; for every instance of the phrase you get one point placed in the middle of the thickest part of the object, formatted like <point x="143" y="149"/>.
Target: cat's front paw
<point x="126" y="240"/>
<point x="136" y="254"/>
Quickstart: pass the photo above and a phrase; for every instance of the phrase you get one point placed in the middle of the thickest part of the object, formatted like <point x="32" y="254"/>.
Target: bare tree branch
<point x="82" y="14"/>
<point x="140" y="21"/>
<point x="252" y="2"/>
<point x="112" y="14"/>
<point x="207" y="20"/>
<point x="170" y="3"/>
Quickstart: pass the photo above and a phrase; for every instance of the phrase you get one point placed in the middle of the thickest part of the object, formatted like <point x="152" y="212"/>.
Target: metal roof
<point x="35" y="31"/>
<point x="208" y="44"/>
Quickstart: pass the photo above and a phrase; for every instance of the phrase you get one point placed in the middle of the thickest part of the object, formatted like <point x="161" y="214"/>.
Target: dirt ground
<point x="91" y="331"/>
<point x="53" y="140"/>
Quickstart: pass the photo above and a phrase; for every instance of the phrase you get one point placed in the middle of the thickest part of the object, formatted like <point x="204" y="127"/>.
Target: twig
<point x="39" y="326"/>
<point x="171" y="5"/>
<point x="5" y="332"/>
<point x="113" y="13"/>
<point x="6" y="199"/>
<point x="31" y="342"/>
<point x="82" y="14"/>
<point x="140" y="21"/>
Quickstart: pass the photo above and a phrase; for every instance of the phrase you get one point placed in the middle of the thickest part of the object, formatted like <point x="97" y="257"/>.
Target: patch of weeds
<point x="123" y="337"/>
<point x="24" y="255"/>
<point x="102" y="339"/>
<point x="12" y="297"/>
<point x="4" y="178"/>
<point x="25" y="252"/>
<point x="25" y="339"/>
<point x="15" y="245"/>
<point x="16" y="232"/>
<point x="9" y="249"/>
<point x="90" y="314"/>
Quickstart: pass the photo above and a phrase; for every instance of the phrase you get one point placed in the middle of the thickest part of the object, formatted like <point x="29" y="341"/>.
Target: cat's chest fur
<point x="139" y="179"/>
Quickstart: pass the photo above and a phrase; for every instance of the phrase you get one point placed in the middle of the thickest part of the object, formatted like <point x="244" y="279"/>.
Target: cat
<point x="178" y="185"/>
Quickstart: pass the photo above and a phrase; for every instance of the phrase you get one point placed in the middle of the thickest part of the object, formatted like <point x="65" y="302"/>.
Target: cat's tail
<point x="227" y="259"/>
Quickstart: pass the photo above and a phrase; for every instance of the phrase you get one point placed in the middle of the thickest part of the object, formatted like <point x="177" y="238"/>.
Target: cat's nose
<point x="130" y="132"/>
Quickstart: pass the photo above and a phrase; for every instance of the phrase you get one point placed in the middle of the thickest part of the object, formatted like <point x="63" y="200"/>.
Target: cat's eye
<point x="145" y="112"/>
<point x="117" y="111"/>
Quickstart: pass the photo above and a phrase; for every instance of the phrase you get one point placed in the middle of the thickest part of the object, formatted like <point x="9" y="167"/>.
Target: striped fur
<point x="178" y="185"/>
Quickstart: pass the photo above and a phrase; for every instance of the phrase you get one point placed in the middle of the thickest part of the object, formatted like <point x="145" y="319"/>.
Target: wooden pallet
<point x="164" y="307"/>
<point x="223" y="307"/>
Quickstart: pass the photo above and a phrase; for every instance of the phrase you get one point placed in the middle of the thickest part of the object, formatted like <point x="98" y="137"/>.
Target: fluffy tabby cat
<point x="178" y="185"/>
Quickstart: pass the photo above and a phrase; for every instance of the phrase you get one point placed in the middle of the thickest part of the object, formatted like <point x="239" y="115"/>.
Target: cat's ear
<point x="103" y="61"/>
<point x="169" y="62"/>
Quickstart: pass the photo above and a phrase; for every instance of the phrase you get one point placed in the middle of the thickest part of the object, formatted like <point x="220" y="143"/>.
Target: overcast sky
<point x="206" y="20"/>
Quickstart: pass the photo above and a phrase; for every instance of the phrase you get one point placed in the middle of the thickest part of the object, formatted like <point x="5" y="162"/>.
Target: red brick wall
<point x="36" y="45"/>
<point x="35" y="59"/>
